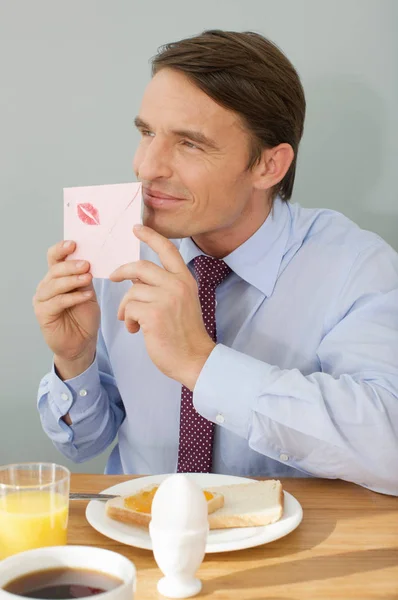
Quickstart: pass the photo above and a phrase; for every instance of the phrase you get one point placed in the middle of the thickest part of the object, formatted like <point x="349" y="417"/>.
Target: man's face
<point x="197" y="152"/>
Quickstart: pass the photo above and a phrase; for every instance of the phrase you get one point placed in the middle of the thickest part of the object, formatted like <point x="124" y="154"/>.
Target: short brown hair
<point x="250" y="75"/>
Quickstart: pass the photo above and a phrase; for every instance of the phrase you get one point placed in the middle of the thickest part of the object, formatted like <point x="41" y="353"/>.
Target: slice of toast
<point x="248" y="504"/>
<point x="243" y="505"/>
<point x="117" y="510"/>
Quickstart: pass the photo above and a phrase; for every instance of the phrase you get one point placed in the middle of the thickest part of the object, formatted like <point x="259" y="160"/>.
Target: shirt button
<point x="83" y="393"/>
<point x="64" y="396"/>
<point x="220" y="419"/>
<point x="284" y="457"/>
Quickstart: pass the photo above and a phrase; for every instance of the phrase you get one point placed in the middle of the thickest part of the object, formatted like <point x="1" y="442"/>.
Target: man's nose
<point x="155" y="161"/>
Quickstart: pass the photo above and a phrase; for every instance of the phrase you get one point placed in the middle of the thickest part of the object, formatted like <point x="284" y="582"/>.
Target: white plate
<point x="219" y="540"/>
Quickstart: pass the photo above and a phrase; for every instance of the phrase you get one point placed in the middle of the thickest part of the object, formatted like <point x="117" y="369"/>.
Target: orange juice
<point x="32" y="519"/>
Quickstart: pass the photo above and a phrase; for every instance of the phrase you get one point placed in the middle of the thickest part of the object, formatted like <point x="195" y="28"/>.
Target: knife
<point x="77" y="496"/>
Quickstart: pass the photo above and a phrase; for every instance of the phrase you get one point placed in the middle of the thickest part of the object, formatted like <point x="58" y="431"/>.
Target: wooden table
<point x="346" y="547"/>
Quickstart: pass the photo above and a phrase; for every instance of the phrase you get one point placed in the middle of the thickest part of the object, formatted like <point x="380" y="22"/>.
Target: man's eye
<point x="146" y="132"/>
<point x="190" y="145"/>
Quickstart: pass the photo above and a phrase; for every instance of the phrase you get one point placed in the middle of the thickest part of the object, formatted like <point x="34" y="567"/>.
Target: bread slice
<point x="248" y="504"/>
<point x="116" y="509"/>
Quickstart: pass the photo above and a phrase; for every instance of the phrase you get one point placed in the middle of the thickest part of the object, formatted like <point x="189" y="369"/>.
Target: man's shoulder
<point x="335" y="254"/>
<point x="324" y="231"/>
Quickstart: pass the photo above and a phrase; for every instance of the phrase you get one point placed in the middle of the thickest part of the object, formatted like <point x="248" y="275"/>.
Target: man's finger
<point x="66" y="268"/>
<point x="55" y="306"/>
<point x="139" y="292"/>
<point x="142" y="270"/>
<point x="169" y="256"/>
<point x="59" y="252"/>
<point x="133" y="315"/>
<point x="62" y="285"/>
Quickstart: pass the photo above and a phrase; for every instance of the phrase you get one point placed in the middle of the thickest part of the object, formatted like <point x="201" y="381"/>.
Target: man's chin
<point x="168" y="230"/>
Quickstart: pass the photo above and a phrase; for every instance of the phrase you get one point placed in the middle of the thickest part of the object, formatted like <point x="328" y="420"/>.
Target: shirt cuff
<point x="85" y="389"/>
<point x="228" y="387"/>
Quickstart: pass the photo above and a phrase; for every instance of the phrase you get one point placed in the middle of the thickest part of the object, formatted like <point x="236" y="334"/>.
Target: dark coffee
<point x="62" y="584"/>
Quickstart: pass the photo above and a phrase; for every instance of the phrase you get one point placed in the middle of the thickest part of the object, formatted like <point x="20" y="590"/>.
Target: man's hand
<point x="67" y="311"/>
<point x="164" y="304"/>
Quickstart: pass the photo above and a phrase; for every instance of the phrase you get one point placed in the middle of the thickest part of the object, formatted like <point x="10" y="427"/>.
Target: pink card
<point x="100" y="219"/>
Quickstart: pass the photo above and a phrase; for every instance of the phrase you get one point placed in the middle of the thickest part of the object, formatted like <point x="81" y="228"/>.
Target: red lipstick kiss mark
<point x="88" y="214"/>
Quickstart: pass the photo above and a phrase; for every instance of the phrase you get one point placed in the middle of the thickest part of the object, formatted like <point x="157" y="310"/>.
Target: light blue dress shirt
<point x="303" y="380"/>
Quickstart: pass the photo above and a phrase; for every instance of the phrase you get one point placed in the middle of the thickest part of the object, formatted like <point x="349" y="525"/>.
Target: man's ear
<point x="273" y="166"/>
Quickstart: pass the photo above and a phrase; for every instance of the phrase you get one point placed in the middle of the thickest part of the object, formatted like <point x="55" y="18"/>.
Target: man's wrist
<point x="68" y="369"/>
<point x="192" y="369"/>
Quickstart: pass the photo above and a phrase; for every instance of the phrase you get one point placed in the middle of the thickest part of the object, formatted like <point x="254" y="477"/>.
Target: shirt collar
<point x="257" y="260"/>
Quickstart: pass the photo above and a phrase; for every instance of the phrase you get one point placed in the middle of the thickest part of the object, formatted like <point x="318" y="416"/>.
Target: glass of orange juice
<point x="34" y="503"/>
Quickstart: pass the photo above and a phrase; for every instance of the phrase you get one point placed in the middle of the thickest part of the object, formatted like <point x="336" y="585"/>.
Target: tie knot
<point x="210" y="271"/>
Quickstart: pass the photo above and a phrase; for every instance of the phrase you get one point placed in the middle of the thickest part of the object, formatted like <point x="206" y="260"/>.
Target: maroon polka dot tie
<point x="196" y="432"/>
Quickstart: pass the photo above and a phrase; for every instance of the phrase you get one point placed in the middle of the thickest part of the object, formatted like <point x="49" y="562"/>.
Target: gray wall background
<point x="72" y="75"/>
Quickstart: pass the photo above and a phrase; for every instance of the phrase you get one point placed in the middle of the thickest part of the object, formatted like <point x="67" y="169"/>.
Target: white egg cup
<point x="179" y="528"/>
<point x="178" y="556"/>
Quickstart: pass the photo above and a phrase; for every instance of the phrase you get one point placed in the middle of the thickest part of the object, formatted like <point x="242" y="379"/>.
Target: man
<point x="253" y="337"/>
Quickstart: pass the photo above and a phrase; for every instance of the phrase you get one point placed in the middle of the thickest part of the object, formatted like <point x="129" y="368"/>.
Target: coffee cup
<point x="42" y="571"/>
